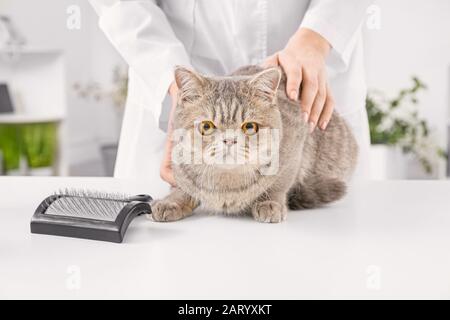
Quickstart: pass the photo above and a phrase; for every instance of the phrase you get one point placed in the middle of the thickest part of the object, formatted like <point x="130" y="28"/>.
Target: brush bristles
<point x="79" y="193"/>
<point x="87" y="204"/>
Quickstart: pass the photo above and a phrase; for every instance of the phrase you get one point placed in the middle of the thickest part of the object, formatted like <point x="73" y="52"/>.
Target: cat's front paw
<point x="269" y="212"/>
<point x="165" y="211"/>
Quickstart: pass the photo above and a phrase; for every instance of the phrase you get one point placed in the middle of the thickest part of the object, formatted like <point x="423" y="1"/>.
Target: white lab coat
<point x="217" y="37"/>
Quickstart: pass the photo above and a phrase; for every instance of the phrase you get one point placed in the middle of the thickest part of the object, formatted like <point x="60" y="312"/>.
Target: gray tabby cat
<point x="311" y="170"/>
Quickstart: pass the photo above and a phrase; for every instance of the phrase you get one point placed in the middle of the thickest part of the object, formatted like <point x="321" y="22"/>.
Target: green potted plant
<point x="39" y="147"/>
<point x="10" y="147"/>
<point x="32" y="144"/>
<point x="403" y="144"/>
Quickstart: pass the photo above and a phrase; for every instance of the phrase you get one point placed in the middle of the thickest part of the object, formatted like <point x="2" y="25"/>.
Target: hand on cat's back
<point x="303" y="60"/>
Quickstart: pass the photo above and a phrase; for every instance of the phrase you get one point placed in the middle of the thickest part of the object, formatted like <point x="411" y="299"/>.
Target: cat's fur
<point x="313" y="167"/>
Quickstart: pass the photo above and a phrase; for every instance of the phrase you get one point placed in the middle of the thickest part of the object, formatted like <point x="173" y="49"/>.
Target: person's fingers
<point x="294" y="80"/>
<point x="173" y="90"/>
<point x="327" y="112"/>
<point x="171" y="179"/>
<point x="165" y="171"/>
<point x="318" y="104"/>
<point x="271" y="61"/>
<point x="166" y="174"/>
<point x="310" y="87"/>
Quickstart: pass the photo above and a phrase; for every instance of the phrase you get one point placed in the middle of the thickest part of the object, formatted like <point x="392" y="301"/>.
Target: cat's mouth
<point x="231" y="159"/>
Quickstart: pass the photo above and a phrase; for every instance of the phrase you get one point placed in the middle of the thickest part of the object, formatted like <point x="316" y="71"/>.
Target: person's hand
<point x="166" y="165"/>
<point x="303" y="61"/>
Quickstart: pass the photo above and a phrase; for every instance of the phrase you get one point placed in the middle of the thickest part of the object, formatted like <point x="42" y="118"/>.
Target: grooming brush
<point x="89" y="214"/>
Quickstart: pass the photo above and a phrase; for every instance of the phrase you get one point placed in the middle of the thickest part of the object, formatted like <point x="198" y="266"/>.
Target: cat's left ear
<point x="189" y="83"/>
<point x="266" y="83"/>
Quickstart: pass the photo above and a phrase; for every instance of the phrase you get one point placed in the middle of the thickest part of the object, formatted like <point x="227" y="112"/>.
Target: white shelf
<point x="37" y="84"/>
<point x="31" y="50"/>
<point x="28" y="118"/>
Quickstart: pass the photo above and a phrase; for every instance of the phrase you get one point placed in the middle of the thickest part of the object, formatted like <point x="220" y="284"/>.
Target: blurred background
<point x="63" y="89"/>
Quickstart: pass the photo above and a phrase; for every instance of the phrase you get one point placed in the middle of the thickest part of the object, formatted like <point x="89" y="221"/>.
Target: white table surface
<point x="385" y="240"/>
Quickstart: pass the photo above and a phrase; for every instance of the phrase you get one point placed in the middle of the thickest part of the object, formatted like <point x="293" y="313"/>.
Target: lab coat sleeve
<point x="141" y="33"/>
<point x="339" y="22"/>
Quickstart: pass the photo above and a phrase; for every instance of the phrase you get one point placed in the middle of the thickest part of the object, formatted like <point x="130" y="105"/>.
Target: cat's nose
<point x="230" y="142"/>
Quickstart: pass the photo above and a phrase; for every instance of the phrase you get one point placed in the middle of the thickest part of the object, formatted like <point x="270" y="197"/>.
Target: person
<point x="318" y="43"/>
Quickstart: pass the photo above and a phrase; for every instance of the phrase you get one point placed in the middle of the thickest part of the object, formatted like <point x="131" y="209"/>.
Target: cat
<point x="231" y="113"/>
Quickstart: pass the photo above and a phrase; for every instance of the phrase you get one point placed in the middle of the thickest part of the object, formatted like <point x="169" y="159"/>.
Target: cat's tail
<point x="315" y="192"/>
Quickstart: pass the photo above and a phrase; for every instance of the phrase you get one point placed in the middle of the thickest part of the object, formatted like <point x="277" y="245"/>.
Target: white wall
<point x="414" y="39"/>
<point x="89" y="57"/>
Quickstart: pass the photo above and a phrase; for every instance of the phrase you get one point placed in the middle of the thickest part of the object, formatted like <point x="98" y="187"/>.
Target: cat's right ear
<point x="266" y="83"/>
<point x="189" y="83"/>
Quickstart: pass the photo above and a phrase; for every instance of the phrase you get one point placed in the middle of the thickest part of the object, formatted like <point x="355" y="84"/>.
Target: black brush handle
<point x="143" y="198"/>
<point x="140" y="198"/>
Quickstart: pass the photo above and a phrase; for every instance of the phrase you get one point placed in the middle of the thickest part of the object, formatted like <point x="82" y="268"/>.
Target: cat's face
<point x="230" y="122"/>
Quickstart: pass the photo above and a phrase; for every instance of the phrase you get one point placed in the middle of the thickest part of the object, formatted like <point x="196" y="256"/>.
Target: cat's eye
<point x="250" y="128"/>
<point x="206" y="127"/>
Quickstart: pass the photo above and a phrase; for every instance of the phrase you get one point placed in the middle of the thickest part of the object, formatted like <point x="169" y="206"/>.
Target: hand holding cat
<point x="313" y="172"/>
<point x="303" y="60"/>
